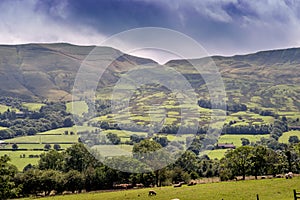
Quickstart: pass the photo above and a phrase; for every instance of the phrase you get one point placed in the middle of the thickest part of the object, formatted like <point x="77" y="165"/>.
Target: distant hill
<point x="268" y="79"/>
<point x="47" y="71"/>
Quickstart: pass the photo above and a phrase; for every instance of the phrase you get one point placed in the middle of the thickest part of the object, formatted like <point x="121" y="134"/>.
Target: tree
<point x="188" y="161"/>
<point x="152" y="154"/>
<point x="238" y="161"/>
<point x="245" y="141"/>
<point x="68" y="122"/>
<point x="293" y="139"/>
<point x="50" y="180"/>
<point x="77" y="157"/>
<point x="56" y="147"/>
<point x="163" y="141"/>
<point x="74" y="181"/>
<point x="47" y="146"/>
<point x="113" y="138"/>
<point x="51" y="160"/>
<point x="259" y="160"/>
<point x="8" y="189"/>
<point x="15" y="146"/>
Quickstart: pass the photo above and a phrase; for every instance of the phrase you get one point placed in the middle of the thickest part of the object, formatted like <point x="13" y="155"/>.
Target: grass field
<point x="77" y="107"/>
<point x="215" y="154"/>
<point x="268" y="189"/>
<point x="74" y="129"/>
<point x="20" y="163"/>
<point x="285" y="136"/>
<point x="114" y="150"/>
<point x="236" y="139"/>
<point x="4" y="108"/>
<point x="33" y="106"/>
<point x="44" y="138"/>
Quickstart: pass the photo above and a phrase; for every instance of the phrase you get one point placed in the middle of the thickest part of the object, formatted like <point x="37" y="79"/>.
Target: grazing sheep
<point x="289" y="175"/>
<point x="151" y="193"/>
<point x="279" y="176"/>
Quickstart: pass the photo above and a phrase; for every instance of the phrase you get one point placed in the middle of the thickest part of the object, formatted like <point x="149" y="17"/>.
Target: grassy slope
<point x="267" y="189"/>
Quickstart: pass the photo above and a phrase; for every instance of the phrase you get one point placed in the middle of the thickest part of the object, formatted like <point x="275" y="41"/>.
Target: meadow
<point x="236" y="139"/>
<point x="285" y="136"/>
<point x="33" y="106"/>
<point x="268" y="189"/>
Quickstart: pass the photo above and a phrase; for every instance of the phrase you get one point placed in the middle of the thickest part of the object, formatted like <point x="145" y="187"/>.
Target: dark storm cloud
<point x="221" y="26"/>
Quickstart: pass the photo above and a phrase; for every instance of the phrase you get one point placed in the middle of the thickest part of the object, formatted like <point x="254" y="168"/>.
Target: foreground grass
<point x="267" y="189"/>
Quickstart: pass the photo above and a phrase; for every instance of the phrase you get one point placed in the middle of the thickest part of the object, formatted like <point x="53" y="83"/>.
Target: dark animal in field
<point x="151" y="193"/>
<point x="263" y="177"/>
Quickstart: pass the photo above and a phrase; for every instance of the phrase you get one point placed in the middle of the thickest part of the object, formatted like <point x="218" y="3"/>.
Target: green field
<point x="114" y="150"/>
<point x="285" y="136"/>
<point x="268" y="189"/>
<point x="77" y="107"/>
<point x="33" y="106"/>
<point x="3" y="108"/>
<point x="44" y="139"/>
<point x="215" y="154"/>
<point x="20" y="163"/>
<point x="74" y="129"/>
<point x="236" y="139"/>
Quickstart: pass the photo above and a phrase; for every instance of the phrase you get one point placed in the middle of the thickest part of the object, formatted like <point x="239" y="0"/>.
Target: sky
<point x="222" y="27"/>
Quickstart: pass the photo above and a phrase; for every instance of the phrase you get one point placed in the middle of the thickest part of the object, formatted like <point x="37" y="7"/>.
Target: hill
<point x="268" y="79"/>
<point x="47" y="71"/>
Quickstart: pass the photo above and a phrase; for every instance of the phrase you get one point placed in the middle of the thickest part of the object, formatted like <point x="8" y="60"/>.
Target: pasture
<point x="40" y="139"/>
<point x="77" y="107"/>
<point x="236" y="139"/>
<point x="61" y="131"/>
<point x="20" y="163"/>
<point x="268" y="189"/>
<point x="285" y="136"/>
<point x="215" y="154"/>
<point x="33" y="106"/>
<point x="3" y="108"/>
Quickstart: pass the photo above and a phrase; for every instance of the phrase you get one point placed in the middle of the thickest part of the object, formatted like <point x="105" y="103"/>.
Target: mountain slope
<point x="48" y="71"/>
